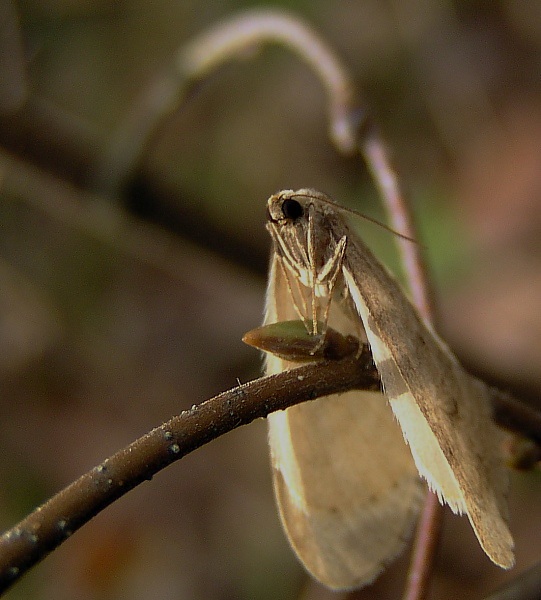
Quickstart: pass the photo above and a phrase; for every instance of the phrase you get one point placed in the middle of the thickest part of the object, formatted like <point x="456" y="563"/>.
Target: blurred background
<point x="125" y="289"/>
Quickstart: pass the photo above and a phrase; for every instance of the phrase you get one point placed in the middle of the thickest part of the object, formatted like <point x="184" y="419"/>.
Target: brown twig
<point x="52" y="523"/>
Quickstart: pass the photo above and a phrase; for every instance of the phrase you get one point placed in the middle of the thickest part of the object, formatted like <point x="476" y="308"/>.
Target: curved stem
<point x="230" y="39"/>
<point x="257" y="27"/>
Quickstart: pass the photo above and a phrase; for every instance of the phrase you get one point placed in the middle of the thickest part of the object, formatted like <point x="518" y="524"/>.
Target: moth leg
<point x="330" y="273"/>
<point x="292" y="272"/>
<point x="284" y="251"/>
<point x="301" y="311"/>
<point x="312" y="265"/>
<point x="333" y="266"/>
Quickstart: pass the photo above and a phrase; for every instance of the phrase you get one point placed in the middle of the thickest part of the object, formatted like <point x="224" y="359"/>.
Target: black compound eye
<point x="292" y="209"/>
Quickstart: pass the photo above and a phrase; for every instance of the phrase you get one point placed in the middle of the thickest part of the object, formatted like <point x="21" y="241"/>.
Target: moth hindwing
<point x="347" y="486"/>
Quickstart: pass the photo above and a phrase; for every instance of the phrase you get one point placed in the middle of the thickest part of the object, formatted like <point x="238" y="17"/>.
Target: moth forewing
<point x="444" y="412"/>
<point x="346" y="486"/>
<point x="344" y="480"/>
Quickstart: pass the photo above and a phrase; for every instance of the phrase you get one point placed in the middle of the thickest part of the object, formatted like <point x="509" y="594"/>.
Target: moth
<point x="347" y="486"/>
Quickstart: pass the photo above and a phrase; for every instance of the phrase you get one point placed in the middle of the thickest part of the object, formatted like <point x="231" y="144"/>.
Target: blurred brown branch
<point x="524" y="587"/>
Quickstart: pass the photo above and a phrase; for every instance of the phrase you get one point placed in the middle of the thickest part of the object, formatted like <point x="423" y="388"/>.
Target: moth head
<point x="291" y="206"/>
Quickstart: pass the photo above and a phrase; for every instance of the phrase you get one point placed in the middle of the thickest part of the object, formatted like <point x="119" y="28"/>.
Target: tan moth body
<point x="346" y="484"/>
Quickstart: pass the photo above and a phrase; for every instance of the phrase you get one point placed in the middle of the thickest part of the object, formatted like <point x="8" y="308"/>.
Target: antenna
<point x="307" y="193"/>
